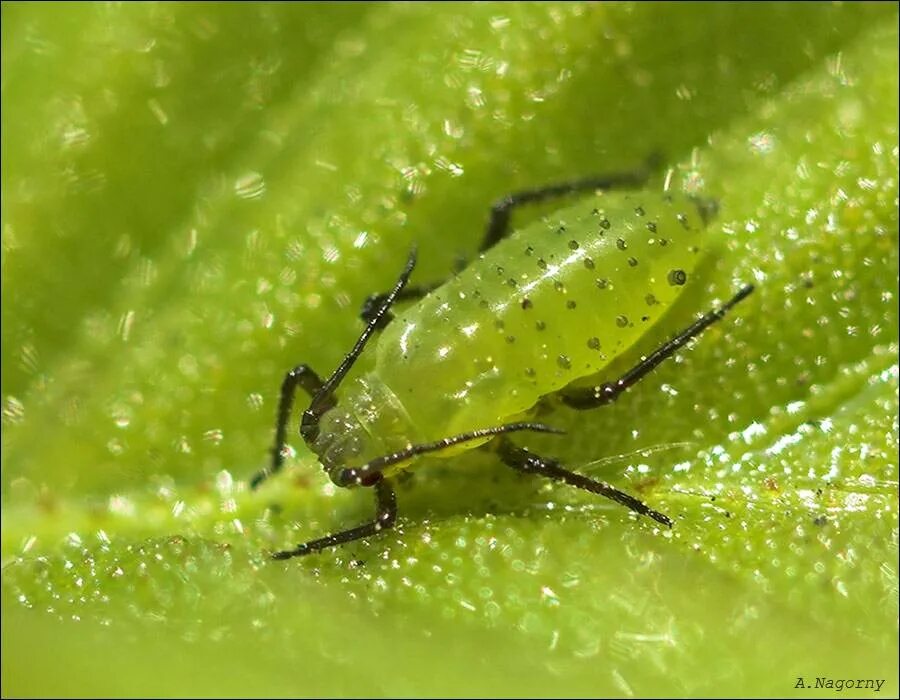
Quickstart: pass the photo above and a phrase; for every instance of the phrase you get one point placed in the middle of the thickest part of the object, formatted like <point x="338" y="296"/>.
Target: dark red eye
<point x="370" y="479"/>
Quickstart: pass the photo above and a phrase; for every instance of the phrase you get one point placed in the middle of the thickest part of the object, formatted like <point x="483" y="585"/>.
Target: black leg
<point x="306" y="378"/>
<point x="525" y="461"/>
<point x="498" y="224"/>
<point x="385" y="517"/>
<point x="602" y="394"/>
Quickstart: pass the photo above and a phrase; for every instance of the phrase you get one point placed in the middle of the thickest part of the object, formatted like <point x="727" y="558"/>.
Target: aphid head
<point x="340" y="441"/>
<point x="367" y="424"/>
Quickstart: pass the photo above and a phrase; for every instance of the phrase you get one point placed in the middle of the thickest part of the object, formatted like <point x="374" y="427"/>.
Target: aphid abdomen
<point x="556" y="301"/>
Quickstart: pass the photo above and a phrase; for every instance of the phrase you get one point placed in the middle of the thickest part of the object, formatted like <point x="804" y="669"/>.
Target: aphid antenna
<point x="323" y="399"/>
<point x="377" y="465"/>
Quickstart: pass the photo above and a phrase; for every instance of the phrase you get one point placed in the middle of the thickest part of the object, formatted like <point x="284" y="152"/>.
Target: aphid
<point x="463" y="367"/>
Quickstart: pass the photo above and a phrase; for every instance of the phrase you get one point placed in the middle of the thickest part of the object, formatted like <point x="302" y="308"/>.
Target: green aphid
<point x="540" y="308"/>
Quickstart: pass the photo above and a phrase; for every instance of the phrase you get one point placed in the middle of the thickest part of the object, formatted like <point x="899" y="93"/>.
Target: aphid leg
<point x="498" y="224"/>
<point x="307" y="379"/>
<point x="385" y="517"/>
<point x="524" y="461"/>
<point x="374" y="302"/>
<point x="602" y="394"/>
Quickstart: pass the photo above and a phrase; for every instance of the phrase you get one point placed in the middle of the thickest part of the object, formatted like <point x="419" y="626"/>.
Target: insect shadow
<point x="626" y="249"/>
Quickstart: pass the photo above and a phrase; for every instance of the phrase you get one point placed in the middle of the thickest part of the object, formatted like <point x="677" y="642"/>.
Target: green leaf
<point x="198" y="197"/>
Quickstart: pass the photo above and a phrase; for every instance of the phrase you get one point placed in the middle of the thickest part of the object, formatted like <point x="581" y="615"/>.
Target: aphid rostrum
<point x="539" y="309"/>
